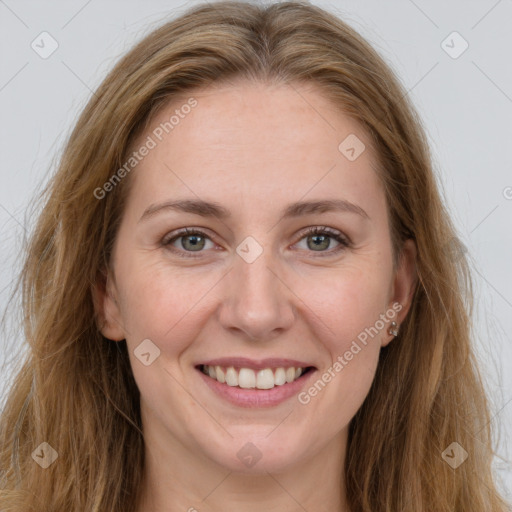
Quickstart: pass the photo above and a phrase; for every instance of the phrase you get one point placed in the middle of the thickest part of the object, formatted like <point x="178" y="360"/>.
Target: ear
<point x="404" y="284"/>
<point x="107" y="309"/>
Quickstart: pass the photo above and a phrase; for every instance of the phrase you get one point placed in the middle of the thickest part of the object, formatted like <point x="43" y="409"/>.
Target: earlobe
<point x="106" y="307"/>
<point x="404" y="285"/>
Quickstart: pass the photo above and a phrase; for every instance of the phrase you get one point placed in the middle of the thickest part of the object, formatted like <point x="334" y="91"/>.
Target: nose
<point x="257" y="301"/>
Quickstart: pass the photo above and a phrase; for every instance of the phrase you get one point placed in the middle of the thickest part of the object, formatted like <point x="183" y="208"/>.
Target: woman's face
<point x="250" y="293"/>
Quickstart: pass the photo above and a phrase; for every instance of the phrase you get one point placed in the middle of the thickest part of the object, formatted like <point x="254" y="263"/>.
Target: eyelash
<point x="317" y="230"/>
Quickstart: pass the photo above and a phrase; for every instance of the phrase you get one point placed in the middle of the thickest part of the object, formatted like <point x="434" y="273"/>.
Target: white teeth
<point x="231" y="377"/>
<point x="220" y="375"/>
<point x="264" y="379"/>
<point x="290" y="374"/>
<point x="280" y="377"/>
<point x="247" y="378"/>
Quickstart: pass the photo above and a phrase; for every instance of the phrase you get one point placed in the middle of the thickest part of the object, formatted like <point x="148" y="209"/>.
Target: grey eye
<point x="321" y="242"/>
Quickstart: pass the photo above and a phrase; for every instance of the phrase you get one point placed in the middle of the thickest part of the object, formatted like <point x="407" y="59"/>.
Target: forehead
<point x="264" y="143"/>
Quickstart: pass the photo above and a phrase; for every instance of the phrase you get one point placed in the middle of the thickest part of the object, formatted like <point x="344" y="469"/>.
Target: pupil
<point x="320" y="238"/>
<point x="194" y="240"/>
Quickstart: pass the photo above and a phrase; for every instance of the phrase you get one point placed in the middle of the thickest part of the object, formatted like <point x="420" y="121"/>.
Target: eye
<point x="187" y="241"/>
<point x="319" y="238"/>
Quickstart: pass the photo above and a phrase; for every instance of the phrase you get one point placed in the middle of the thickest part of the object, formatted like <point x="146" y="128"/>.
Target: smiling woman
<point x="261" y="312"/>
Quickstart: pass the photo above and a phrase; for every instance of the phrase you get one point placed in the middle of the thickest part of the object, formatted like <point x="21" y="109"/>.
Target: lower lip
<point x="257" y="397"/>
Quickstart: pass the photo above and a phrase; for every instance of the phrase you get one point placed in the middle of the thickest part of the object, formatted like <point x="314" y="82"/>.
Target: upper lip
<point x="243" y="362"/>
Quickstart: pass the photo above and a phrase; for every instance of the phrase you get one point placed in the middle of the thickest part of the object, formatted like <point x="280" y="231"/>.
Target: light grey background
<point x="465" y="102"/>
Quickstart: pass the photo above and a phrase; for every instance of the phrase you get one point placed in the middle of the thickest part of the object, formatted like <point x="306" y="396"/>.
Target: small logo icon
<point x="507" y="193"/>
<point x="454" y="455"/>
<point x="351" y="147"/>
<point x="44" y="455"/>
<point x="454" y="45"/>
<point x="249" y="454"/>
<point x="249" y="250"/>
<point x="147" y="352"/>
<point x="44" y="45"/>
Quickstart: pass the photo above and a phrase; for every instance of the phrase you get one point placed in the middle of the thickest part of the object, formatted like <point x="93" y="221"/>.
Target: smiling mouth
<point x="247" y="378"/>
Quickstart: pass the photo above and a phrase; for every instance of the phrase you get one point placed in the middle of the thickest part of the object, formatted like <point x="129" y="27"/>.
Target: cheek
<point x="352" y="309"/>
<point x="167" y="307"/>
<point x="346" y="303"/>
<point x="164" y="304"/>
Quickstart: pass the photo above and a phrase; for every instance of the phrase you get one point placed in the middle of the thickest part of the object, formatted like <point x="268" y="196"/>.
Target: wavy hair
<point x="75" y="389"/>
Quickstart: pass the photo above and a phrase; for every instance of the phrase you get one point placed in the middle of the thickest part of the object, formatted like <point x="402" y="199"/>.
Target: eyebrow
<point x="213" y="209"/>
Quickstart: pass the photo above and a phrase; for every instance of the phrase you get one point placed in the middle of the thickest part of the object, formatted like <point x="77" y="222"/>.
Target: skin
<point x="253" y="148"/>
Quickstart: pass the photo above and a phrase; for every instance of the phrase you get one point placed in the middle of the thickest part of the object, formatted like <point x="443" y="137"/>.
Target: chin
<point x="254" y="451"/>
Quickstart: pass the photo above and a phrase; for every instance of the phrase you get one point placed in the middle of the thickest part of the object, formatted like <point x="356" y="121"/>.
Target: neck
<point x="176" y="479"/>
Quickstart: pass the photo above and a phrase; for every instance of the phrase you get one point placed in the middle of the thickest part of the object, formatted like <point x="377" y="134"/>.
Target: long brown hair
<point x="75" y="389"/>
